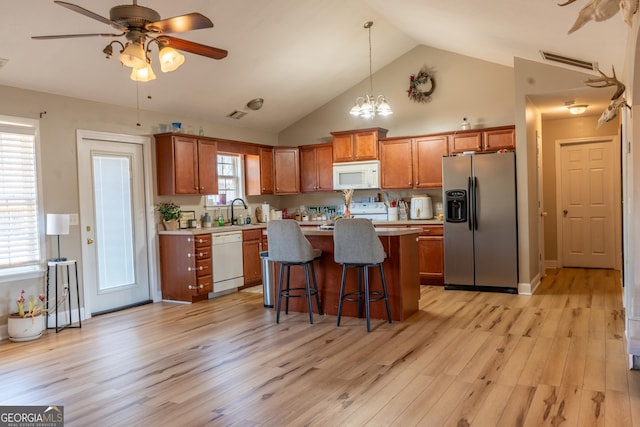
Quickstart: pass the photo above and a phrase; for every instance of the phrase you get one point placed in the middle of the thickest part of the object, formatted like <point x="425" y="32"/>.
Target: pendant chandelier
<point x="368" y="106"/>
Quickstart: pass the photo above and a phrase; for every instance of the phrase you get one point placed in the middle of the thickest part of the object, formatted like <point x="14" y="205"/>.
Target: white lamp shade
<point x="144" y="74"/>
<point x="133" y="56"/>
<point x="170" y="59"/>
<point x="57" y="224"/>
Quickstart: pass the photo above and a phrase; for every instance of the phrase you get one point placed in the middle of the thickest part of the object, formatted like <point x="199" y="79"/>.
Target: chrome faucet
<point x="232" y="202"/>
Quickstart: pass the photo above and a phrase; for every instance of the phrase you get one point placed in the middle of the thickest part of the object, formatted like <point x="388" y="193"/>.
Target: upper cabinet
<point x="483" y="141"/>
<point x="186" y="165"/>
<point x="286" y="169"/>
<point x="412" y="163"/>
<point x="259" y="173"/>
<point x="357" y="145"/>
<point x="316" y="173"/>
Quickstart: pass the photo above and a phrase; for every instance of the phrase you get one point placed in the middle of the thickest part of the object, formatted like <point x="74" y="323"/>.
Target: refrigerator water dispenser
<point x="456" y="206"/>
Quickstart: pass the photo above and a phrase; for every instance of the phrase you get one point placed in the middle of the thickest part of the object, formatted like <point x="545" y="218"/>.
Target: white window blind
<point x="19" y="231"/>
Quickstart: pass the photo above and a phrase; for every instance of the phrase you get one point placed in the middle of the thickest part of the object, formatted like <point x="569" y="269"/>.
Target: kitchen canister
<point x="266" y="210"/>
<point x="392" y="213"/>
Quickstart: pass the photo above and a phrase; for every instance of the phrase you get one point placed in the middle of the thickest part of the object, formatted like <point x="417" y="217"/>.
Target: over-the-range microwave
<point x="356" y="175"/>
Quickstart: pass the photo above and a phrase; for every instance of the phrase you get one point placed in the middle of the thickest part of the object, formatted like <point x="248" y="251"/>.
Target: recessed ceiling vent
<point x="3" y="62"/>
<point x="237" y="115"/>
<point x="554" y="57"/>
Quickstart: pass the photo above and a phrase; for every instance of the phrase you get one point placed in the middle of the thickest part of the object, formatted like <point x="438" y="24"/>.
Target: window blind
<point x="19" y="238"/>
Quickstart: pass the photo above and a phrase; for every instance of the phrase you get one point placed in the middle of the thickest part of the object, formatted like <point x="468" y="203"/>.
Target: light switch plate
<point x="73" y="219"/>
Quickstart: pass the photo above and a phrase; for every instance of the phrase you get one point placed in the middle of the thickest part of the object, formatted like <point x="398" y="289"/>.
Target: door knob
<point x="565" y="212"/>
<point x="89" y="241"/>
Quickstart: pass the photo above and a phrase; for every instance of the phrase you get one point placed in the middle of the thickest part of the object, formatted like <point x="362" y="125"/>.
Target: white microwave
<point x="356" y="175"/>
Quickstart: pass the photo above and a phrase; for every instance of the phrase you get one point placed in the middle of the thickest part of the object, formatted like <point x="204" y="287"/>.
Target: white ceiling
<point x="296" y="54"/>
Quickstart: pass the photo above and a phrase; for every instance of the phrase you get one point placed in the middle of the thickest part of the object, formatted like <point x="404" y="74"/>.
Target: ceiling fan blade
<point x="179" y="24"/>
<point x="85" y="12"/>
<point x="193" y="47"/>
<point x="73" y="36"/>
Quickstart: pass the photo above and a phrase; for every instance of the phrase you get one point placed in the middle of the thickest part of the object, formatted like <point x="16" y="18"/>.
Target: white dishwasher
<point x="226" y="250"/>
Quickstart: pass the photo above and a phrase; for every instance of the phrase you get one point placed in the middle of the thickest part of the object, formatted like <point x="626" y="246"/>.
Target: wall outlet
<point x="73" y="219"/>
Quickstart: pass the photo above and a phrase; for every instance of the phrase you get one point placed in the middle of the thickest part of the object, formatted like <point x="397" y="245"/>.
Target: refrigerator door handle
<point x="469" y="219"/>
<point x="475" y="204"/>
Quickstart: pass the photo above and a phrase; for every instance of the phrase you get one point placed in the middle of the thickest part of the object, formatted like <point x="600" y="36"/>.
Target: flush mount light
<point x="255" y="104"/>
<point x="577" y="109"/>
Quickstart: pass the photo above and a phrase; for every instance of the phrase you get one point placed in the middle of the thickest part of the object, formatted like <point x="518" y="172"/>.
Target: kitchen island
<point x="400" y="268"/>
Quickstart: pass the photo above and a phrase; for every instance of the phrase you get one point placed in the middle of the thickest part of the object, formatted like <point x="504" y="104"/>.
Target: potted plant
<point x="27" y="324"/>
<point x="170" y="214"/>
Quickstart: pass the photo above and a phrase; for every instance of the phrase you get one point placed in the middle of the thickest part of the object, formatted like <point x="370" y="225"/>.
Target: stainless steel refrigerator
<point x="480" y="224"/>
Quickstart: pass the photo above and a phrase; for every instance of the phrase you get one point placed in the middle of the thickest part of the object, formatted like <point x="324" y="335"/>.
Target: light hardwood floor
<point x="481" y="359"/>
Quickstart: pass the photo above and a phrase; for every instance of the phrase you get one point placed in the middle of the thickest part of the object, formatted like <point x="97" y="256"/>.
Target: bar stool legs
<point x="365" y="297"/>
<point x="290" y="292"/>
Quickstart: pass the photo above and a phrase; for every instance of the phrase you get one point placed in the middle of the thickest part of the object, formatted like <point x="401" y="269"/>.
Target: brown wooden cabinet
<point x="251" y="262"/>
<point x="286" y="170"/>
<point x="431" y="255"/>
<point x="483" y="141"/>
<point x="186" y="270"/>
<point x="408" y="163"/>
<point x="259" y="173"/>
<point x="186" y="165"/>
<point x="316" y="173"/>
<point x="357" y="145"/>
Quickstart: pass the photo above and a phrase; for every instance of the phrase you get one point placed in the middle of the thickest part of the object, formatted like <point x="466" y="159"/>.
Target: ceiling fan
<point x="142" y="26"/>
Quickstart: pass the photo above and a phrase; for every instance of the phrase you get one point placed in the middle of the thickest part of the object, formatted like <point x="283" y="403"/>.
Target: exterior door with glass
<point x="113" y="221"/>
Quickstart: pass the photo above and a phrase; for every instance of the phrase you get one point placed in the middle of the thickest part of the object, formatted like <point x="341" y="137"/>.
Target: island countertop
<point x="401" y="272"/>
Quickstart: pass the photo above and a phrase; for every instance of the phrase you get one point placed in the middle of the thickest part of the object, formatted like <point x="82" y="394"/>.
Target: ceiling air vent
<point x="554" y="57"/>
<point x="237" y="115"/>
<point x="3" y="62"/>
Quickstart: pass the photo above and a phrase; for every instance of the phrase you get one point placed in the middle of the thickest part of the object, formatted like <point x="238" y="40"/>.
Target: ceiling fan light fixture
<point x="144" y="74"/>
<point x="170" y="59"/>
<point x="577" y="109"/>
<point x="133" y="56"/>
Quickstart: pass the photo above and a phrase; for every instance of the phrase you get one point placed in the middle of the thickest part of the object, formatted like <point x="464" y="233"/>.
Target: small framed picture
<point x="185" y="216"/>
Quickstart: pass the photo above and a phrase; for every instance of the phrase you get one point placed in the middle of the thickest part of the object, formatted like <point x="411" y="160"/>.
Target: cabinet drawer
<point x="203" y="252"/>
<point x="432" y="230"/>
<point x="202" y="240"/>
<point x="255" y="234"/>
<point x="204" y="284"/>
<point x="203" y="267"/>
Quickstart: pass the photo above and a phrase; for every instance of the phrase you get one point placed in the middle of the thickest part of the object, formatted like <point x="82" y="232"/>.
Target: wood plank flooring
<point x="465" y="359"/>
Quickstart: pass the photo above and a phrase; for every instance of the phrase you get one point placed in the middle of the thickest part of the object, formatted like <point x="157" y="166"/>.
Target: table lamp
<point x="58" y="224"/>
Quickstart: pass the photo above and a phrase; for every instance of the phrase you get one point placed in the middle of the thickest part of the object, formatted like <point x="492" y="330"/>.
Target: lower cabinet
<point x="431" y="255"/>
<point x="186" y="270"/>
<point x="251" y="261"/>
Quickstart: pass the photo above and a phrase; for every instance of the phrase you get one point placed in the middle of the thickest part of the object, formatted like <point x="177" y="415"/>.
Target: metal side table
<point x="59" y="268"/>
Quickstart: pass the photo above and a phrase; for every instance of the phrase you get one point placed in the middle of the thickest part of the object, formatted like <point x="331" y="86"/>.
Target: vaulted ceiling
<point x="297" y="55"/>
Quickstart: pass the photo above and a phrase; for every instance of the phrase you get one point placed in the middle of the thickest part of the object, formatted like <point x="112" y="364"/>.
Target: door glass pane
<point x="114" y="221"/>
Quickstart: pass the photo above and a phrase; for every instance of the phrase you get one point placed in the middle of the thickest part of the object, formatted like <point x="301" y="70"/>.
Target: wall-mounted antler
<point x="601" y="10"/>
<point x="606" y="81"/>
<point x="617" y="100"/>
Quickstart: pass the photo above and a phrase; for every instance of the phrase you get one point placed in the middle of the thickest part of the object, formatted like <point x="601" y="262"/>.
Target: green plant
<point x="168" y="211"/>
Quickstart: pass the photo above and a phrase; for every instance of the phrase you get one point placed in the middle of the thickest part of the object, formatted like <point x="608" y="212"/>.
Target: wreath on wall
<point x="417" y="82"/>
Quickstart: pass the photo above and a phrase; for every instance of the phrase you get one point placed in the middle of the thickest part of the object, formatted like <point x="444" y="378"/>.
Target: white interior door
<point x="587" y="204"/>
<point x="113" y="222"/>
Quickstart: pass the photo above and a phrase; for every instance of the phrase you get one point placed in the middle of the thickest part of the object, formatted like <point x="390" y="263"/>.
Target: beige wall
<point x="553" y="130"/>
<point x="465" y="87"/>
<point x="59" y="165"/>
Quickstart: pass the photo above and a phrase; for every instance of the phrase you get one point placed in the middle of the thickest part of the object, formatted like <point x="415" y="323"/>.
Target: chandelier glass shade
<point x="369" y="106"/>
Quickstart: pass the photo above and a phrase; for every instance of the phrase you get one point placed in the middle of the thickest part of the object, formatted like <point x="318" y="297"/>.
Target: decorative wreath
<point x="416" y="81"/>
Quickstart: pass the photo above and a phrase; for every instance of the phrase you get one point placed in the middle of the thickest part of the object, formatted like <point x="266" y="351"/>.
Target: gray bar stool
<point x="288" y="246"/>
<point x="356" y="245"/>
